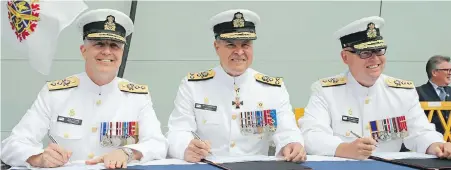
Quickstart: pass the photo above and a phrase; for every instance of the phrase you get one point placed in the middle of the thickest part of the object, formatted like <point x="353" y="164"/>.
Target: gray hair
<point x="433" y="62"/>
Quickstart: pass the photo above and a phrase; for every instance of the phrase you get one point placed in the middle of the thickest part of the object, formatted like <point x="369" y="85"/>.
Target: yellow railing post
<point x="437" y="107"/>
<point x="298" y="113"/>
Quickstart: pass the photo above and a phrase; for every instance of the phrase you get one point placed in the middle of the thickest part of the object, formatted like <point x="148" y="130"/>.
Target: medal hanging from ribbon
<point x="237" y="102"/>
<point x="389" y="129"/>
<point x="114" y="134"/>
<point x="257" y="122"/>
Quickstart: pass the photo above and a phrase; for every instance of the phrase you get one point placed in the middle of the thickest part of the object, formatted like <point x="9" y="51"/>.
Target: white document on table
<point x="403" y="155"/>
<point x="73" y="165"/>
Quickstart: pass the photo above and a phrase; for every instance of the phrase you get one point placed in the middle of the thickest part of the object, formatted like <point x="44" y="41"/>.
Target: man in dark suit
<point x="438" y="69"/>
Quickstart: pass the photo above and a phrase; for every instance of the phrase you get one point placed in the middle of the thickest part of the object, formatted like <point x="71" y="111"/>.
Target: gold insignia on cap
<point x="106" y="35"/>
<point x="333" y="81"/>
<point x="238" y="35"/>
<point x="66" y="83"/>
<point x="398" y="83"/>
<point x="274" y="81"/>
<point x="205" y="75"/>
<point x="133" y="88"/>
<point x="238" y="20"/>
<point x="371" y="30"/>
<point x="370" y="44"/>
<point x="110" y="23"/>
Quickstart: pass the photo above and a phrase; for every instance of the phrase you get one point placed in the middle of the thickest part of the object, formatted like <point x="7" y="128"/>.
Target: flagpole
<point x="129" y="39"/>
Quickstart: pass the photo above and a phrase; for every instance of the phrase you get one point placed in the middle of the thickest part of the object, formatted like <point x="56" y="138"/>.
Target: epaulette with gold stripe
<point x="66" y="83"/>
<point x="398" y="83"/>
<point x="274" y="81"/>
<point x="333" y="81"/>
<point x="133" y="88"/>
<point x="205" y="75"/>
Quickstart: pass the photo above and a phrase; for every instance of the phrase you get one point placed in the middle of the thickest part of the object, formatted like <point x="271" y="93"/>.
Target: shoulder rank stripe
<point x="334" y="81"/>
<point x="398" y="83"/>
<point x="69" y="82"/>
<point x="205" y="75"/>
<point x="133" y="88"/>
<point x="273" y="81"/>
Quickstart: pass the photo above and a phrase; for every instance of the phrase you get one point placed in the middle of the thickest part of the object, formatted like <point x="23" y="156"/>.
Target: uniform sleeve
<point x="287" y="130"/>
<point x="316" y="127"/>
<point x="421" y="133"/>
<point x="181" y="122"/>
<point x="26" y="137"/>
<point x="152" y="143"/>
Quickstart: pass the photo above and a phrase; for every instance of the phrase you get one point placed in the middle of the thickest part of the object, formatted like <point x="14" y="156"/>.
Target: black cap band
<point x="227" y="27"/>
<point x="104" y="30"/>
<point x="370" y="34"/>
<point x="238" y="28"/>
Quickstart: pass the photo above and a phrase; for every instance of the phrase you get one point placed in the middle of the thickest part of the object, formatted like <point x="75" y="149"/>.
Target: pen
<point x="358" y="136"/>
<point x="198" y="138"/>
<point x="54" y="141"/>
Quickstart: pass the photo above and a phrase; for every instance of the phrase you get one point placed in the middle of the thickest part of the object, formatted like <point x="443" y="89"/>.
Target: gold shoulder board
<point x="205" y="75"/>
<point x="398" y="83"/>
<point x="66" y="83"/>
<point x="133" y="88"/>
<point x="333" y="81"/>
<point x="274" y="81"/>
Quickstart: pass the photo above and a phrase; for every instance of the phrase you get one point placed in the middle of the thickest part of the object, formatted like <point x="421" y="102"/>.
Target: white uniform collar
<point x="356" y="87"/>
<point x="227" y="78"/>
<point x="88" y="84"/>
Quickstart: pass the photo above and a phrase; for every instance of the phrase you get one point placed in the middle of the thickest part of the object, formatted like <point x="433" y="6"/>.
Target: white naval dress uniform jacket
<point x="92" y="104"/>
<point x="222" y="127"/>
<point x="323" y="128"/>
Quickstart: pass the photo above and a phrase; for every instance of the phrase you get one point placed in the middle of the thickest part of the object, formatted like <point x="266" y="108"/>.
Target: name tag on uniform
<point x="205" y="107"/>
<point x="350" y="119"/>
<point x="69" y="120"/>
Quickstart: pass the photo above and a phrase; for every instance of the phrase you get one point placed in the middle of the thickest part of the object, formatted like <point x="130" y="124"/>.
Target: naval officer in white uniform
<point x="94" y="115"/>
<point x="236" y="110"/>
<point x="363" y="102"/>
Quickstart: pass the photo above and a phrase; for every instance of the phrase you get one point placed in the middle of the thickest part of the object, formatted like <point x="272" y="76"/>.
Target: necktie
<point x="442" y="93"/>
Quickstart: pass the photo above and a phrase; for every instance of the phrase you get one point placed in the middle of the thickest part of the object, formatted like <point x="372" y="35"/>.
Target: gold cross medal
<point x="237" y="103"/>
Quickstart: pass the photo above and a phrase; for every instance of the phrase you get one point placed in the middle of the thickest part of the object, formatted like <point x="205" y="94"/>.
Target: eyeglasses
<point x="447" y="70"/>
<point x="364" y="54"/>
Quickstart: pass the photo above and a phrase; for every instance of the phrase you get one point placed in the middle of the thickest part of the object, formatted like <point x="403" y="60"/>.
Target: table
<point x="315" y="165"/>
<point x="313" y="161"/>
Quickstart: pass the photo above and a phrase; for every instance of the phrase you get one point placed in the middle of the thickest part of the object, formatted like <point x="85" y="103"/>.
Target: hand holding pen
<point x="53" y="156"/>
<point x="360" y="149"/>
<point x="197" y="149"/>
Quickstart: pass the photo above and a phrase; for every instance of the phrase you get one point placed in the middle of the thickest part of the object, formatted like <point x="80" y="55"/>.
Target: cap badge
<point x="238" y="20"/>
<point x="110" y="23"/>
<point x="371" y="30"/>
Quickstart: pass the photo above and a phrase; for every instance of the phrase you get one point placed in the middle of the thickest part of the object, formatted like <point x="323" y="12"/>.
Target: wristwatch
<point x="129" y="153"/>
